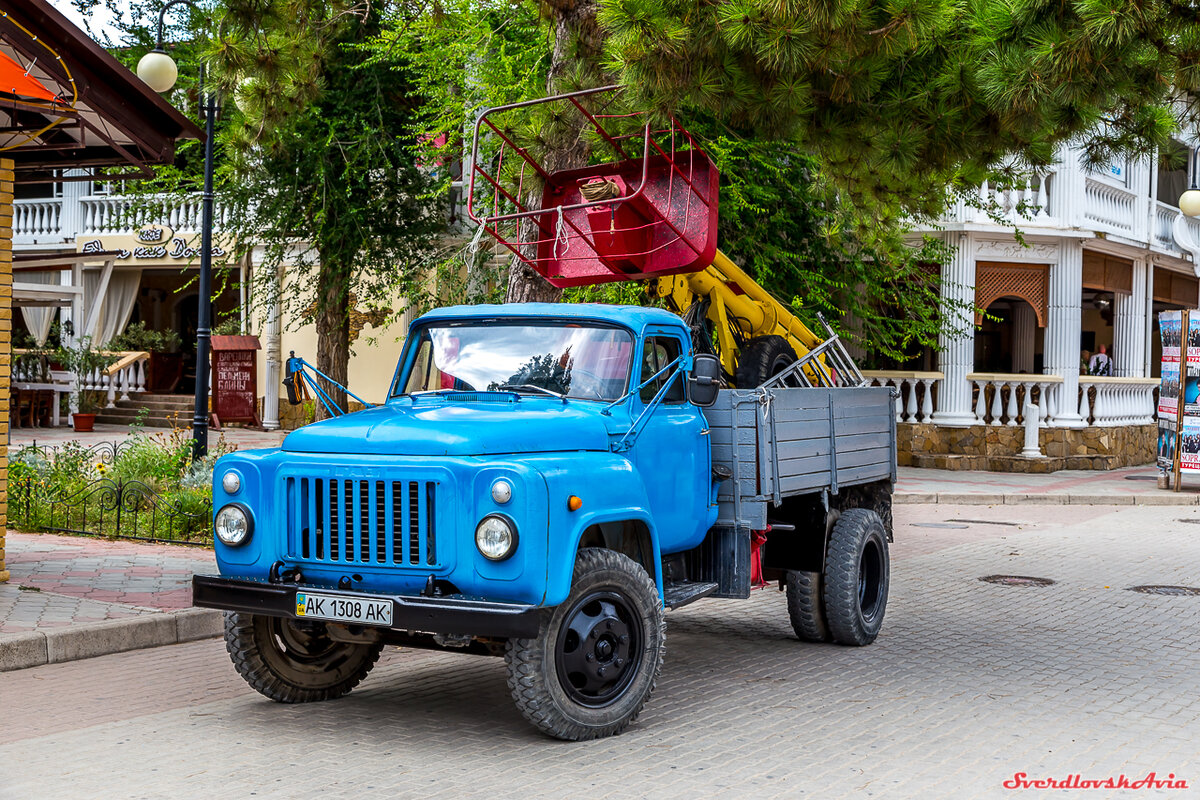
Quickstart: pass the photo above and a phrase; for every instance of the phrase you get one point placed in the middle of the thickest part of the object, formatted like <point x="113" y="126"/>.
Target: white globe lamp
<point x="158" y="71"/>
<point x="1189" y="203"/>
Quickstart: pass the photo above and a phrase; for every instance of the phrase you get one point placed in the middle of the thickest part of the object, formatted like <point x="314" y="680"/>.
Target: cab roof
<point x="634" y="317"/>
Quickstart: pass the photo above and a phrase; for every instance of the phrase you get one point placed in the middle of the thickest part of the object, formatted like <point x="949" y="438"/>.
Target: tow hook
<point x="282" y="573"/>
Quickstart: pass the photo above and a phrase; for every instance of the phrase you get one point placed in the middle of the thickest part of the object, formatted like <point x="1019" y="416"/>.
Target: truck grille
<point x="362" y="521"/>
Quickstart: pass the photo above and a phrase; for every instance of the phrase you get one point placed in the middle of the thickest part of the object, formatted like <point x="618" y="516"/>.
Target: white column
<point x="1024" y="329"/>
<point x="956" y="356"/>
<point x="1149" y="318"/>
<point x="71" y="221"/>
<point x="1063" y="331"/>
<point x="1129" y="328"/>
<point x="273" y="334"/>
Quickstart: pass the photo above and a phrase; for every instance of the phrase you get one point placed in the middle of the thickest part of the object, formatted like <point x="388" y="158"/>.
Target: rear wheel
<point x="295" y="662"/>
<point x="594" y="664"/>
<point x="806" y="606"/>
<point x="762" y="359"/>
<point x="856" y="577"/>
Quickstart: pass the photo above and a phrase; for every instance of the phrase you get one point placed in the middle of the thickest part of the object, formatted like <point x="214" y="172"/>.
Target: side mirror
<point x="704" y="381"/>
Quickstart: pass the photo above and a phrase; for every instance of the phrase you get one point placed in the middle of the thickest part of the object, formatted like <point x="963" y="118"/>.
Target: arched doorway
<point x="1010" y="338"/>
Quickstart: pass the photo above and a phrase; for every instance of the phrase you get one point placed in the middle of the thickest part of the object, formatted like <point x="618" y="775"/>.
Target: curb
<point x="56" y="645"/>
<point x="981" y="499"/>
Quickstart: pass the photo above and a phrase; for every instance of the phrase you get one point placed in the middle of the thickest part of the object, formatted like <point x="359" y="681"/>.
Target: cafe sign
<point x="154" y="245"/>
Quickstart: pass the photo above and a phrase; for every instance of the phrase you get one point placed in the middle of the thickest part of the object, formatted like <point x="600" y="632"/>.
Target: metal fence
<point x="114" y="508"/>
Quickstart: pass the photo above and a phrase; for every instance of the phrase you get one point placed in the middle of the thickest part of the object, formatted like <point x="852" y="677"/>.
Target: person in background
<point x="1100" y="363"/>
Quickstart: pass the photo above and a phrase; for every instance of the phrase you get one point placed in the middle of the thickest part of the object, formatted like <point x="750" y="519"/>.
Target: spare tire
<point x="762" y="359"/>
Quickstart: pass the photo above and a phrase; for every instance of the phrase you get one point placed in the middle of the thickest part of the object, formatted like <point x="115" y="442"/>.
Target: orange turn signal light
<point x="574" y="503"/>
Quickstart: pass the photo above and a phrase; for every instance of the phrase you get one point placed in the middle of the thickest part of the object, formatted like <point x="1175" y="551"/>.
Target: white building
<point x="1098" y="254"/>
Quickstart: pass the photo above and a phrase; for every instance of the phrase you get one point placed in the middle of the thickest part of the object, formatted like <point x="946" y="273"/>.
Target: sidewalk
<point x="1127" y="486"/>
<point x="77" y="597"/>
<point x="239" y="438"/>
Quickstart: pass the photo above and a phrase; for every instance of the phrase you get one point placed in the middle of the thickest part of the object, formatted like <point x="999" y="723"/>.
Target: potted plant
<point x="82" y="361"/>
<point x="166" y="362"/>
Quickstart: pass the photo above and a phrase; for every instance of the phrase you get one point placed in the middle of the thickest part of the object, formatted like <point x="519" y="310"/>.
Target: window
<point x="657" y="353"/>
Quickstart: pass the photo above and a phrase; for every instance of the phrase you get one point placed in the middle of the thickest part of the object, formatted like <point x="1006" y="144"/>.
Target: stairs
<point x="164" y="411"/>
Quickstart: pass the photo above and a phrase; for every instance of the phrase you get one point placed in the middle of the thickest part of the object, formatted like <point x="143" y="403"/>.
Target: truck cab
<point x="535" y="486"/>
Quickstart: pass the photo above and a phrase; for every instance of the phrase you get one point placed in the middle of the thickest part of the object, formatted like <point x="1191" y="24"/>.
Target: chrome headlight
<point x="234" y="524"/>
<point x="501" y="492"/>
<point x="231" y="482"/>
<point x="496" y="537"/>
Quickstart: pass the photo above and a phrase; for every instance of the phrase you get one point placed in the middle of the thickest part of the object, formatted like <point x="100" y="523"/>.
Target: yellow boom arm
<point x="736" y="298"/>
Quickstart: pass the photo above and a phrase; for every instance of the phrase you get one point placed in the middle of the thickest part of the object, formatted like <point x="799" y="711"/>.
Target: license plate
<point x="343" y="608"/>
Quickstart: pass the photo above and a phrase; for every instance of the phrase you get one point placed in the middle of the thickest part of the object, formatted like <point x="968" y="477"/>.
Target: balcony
<point x="63" y="220"/>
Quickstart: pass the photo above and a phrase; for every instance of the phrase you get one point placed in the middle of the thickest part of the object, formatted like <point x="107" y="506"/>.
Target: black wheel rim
<point x="599" y="649"/>
<point x="870" y="580"/>
<point x="306" y="643"/>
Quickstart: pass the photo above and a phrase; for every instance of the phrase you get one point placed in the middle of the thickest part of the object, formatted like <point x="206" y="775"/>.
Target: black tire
<point x="762" y="359"/>
<point x="295" y="662"/>
<point x="806" y="606"/>
<point x="614" y="603"/>
<point x="856" y="577"/>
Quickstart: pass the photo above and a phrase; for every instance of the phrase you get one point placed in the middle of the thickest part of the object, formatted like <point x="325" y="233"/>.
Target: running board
<point x="678" y="595"/>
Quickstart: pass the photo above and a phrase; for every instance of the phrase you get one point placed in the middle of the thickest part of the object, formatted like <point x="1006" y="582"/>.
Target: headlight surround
<point x="231" y="482"/>
<point x="234" y="524"/>
<point x="496" y="537"/>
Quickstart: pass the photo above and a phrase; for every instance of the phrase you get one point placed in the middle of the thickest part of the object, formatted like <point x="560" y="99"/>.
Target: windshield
<point x="584" y="361"/>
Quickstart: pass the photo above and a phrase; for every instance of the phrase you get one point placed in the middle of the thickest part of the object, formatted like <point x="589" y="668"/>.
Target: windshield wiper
<point x="542" y="389"/>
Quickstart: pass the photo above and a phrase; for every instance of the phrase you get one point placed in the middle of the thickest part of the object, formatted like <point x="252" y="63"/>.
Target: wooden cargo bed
<point x="777" y="443"/>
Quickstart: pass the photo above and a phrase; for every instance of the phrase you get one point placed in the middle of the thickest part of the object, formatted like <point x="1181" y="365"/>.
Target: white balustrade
<point x="117" y="214"/>
<point x="127" y="375"/>
<point x="1111" y="207"/>
<point x="1109" y="402"/>
<point x="1164" y="219"/>
<point x="1000" y="399"/>
<point x="37" y="217"/>
<point x="915" y="401"/>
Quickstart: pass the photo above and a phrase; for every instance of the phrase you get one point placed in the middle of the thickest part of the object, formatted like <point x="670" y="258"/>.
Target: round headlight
<point x="231" y="482"/>
<point x="501" y="492"/>
<point x="496" y="537"/>
<point x="233" y="524"/>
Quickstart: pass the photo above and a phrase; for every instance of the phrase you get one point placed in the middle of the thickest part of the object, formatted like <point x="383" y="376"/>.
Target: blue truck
<point x="543" y="482"/>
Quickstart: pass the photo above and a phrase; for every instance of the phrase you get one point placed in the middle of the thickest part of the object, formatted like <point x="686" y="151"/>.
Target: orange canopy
<point x="14" y="80"/>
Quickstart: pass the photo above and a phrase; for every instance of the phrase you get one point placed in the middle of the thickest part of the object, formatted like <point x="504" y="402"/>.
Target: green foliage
<point x="137" y="337"/>
<point x="898" y="100"/>
<point x="62" y="488"/>
<point x="781" y="220"/>
<point x="82" y="359"/>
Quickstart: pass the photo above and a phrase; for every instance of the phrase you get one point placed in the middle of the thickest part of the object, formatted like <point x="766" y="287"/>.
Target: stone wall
<point x="998" y="447"/>
<point x="6" y="312"/>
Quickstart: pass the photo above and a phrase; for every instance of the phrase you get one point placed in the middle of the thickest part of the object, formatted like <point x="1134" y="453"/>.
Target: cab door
<point x="672" y="452"/>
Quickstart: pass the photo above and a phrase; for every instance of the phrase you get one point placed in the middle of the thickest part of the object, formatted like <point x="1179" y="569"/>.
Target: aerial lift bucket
<point x="649" y="210"/>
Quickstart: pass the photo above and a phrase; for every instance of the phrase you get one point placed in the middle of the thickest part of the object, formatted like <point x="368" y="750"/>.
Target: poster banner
<point x="1189" y="451"/>
<point x="1168" y="392"/>
<point x="1193" y="344"/>
<point x="1166" y="444"/>
<point x="1170" y="327"/>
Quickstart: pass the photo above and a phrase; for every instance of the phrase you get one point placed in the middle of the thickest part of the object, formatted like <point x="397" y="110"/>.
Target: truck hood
<point x="436" y="427"/>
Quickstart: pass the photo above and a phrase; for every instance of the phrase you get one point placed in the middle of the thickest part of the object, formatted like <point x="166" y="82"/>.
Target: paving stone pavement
<point x="969" y="684"/>
<point x="64" y="580"/>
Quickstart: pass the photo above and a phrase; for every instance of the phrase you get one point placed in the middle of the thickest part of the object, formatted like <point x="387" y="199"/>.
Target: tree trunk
<point x="333" y="330"/>
<point x="576" y="39"/>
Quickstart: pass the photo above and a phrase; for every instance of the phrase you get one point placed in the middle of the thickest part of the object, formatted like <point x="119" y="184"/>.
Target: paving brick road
<point x="968" y="684"/>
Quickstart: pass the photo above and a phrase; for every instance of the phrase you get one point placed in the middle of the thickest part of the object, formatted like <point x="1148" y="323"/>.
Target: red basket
<point x="657" y="215"/>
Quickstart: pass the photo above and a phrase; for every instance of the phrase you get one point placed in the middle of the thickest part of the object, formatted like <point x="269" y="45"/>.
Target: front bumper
<point x="447" y="615"/>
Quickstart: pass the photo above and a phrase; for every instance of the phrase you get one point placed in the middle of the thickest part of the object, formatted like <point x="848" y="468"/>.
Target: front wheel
<point x="295" y="662"/>
<point x="856" y="577"/>
<point x="597" y="656"/>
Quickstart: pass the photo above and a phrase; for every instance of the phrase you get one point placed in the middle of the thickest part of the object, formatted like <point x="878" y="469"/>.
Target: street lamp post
<point x="159" y="72"/>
